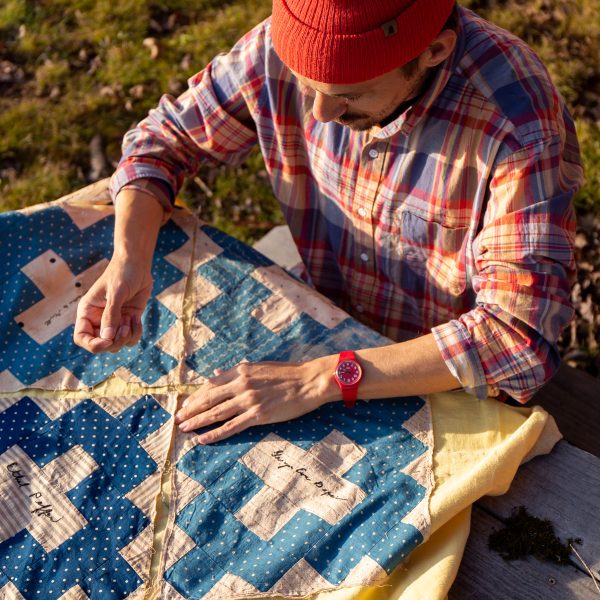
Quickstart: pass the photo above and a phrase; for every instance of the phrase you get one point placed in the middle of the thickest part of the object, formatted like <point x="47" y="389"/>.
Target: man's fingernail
<point x="123" y="332"/>
<point x="108" y="333"/>
<point x="184" y="426"/>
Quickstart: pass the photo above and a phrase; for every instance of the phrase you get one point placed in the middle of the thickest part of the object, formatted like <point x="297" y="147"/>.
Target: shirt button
<point x="364" y="257"/>
<point x="359" y="308"/>
<point x="362" y="212"/>
<point x="373" y="153"/>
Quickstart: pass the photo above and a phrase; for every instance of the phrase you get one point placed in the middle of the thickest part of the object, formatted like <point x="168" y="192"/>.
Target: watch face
<point x="348" y="372"/>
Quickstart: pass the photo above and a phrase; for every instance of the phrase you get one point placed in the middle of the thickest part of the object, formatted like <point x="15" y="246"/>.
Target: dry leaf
<point x="151" y="44"/>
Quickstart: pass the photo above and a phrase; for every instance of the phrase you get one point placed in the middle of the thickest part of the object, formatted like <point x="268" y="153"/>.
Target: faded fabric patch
<point x="337" y="498"/>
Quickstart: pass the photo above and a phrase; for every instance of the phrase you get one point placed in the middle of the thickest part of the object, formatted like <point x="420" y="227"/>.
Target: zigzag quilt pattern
<point x="102" y="497"/>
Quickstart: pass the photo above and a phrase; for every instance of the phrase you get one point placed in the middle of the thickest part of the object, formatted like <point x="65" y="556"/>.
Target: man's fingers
<point x="111" y="316"/>
<point x="92" y="343"/>
<point x="221" y="376"/>
<point x="98" y="345"/>
<point x="220" y="412"/>
<point x="86" y="336"/>
<point x="84" y="330"/>
<point x="136" y="329"/>
<point x="235" y="425"/>
<point x="123" y="335"/>
<point x="213" y="391"/>
<point x="84" y="327"/>
<point x="124" y="331"/>
<point x="204" y="399"/>
<point x="129" y="332"/>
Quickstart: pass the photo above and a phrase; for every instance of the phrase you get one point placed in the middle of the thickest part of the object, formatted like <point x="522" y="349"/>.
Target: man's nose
<point x="327" y="108"/>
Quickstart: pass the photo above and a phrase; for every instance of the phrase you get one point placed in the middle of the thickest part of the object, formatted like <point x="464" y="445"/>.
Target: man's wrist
<point x="138" y="251"/>
<point x="320" y="372"/>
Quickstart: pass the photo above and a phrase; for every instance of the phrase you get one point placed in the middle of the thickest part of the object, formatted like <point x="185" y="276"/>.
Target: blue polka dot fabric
<point x="337" y="498"/>
<point x="74" y="503"/>
<point x="49" y="262"/>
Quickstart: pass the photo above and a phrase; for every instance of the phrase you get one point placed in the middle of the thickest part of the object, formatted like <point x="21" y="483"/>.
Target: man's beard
<point x="358" y="122"/>
<point x="363" y="122"/>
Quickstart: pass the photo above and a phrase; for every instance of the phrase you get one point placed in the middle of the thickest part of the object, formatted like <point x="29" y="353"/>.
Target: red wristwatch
<point x="347" y="375"/>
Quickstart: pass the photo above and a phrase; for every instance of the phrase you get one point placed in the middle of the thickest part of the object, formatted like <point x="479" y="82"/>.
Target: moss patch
<point x="525" y="535"/>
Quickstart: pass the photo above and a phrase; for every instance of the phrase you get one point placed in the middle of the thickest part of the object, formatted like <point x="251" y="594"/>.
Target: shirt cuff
<point x="462" y="359"/>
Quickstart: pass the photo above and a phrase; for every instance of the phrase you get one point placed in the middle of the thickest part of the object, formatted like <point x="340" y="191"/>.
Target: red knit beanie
<point x="347" y="41"/>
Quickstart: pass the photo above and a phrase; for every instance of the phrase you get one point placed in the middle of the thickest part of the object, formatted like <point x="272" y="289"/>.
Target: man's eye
<point x="306" y="90"/>
<point x="351" y="98"/>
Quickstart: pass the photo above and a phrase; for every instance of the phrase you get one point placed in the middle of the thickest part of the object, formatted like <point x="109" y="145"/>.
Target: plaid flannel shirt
<point x="454" y="219"/>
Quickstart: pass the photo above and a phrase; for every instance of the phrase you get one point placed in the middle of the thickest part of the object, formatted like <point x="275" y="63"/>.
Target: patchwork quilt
<point x="102" y="497"/>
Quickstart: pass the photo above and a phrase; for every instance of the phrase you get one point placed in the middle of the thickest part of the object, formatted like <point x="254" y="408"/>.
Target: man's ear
<point x="440" y="49"/>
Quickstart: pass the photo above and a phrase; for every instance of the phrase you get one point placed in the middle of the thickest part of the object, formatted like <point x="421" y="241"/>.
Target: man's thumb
<point x="111" y="317"/>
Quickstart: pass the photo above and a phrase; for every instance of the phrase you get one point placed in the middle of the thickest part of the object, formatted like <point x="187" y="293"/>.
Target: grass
<point x="565" y="35"/>
<point x="588" y="198"/>
<point x="87" y="67"/>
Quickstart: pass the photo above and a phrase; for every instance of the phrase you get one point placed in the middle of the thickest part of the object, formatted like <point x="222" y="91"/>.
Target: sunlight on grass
<point x="589" y="140"/>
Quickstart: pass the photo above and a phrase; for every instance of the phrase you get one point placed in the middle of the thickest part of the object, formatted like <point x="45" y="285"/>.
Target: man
<point x="425" y="165"/>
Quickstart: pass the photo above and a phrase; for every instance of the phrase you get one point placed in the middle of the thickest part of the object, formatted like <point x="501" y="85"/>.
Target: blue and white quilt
<point x="102" y="497"/>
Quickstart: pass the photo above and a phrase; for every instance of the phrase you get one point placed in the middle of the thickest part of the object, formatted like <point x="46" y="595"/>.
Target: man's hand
<point x="109" y="316"/>
<point x="256" y="394"/>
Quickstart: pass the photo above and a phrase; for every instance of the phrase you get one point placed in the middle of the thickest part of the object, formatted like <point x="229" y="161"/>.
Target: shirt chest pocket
<point x="428" y="256"/>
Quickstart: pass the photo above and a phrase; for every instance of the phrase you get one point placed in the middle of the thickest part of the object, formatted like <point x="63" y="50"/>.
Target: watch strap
<point x="347" y="355"/>
<point x="349" y="394"/>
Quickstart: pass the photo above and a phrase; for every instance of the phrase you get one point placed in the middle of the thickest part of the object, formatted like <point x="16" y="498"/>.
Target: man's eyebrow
<point x="348" y="94"/>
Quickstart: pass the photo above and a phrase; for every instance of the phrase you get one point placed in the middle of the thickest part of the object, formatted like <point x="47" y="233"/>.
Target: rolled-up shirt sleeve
<point x="524" y="263"/>
<point x="201" y="126"/>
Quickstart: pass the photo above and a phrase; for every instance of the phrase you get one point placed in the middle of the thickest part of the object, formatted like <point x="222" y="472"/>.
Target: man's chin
<point x="358" y="123"/>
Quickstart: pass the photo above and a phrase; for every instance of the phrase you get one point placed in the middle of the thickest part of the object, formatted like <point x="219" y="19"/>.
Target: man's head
<point x="361" y="60"/>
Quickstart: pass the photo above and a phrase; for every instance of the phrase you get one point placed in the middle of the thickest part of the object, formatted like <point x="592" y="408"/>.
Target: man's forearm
<point x="137" y="221"/>
<point x="408" y="368"/>
<point x="270" y="392"/>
